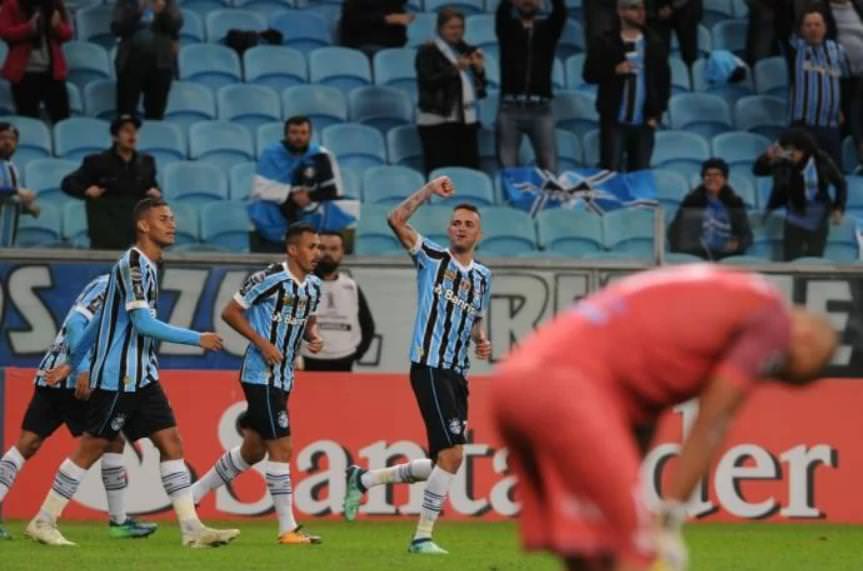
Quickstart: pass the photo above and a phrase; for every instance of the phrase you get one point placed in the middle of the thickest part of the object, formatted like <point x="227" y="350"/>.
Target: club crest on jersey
<point x="117" y="422"/>
<point x="456" y="426"/>
<point x="288" y="299"/>
<point x="283" y="419"/>
<point x="450" y="275"/>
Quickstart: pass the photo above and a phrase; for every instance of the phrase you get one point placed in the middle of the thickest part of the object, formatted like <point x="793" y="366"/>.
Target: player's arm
<point x="312" y="336"/>
<point x="147" y="325"/>
<point x="234" y="315"/>
<point x="482" y="346"/>
<point x="78" y="347"/>
<point x="398" y="218"/>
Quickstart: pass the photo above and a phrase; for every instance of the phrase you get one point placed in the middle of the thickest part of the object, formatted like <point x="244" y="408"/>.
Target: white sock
<point x="434" y="496"/>
<point x="226" y="468"/>
<point x="66" y="483"/>
<point x="414" y="471"/>
<point x="178" y="485"/>
<point x="116" y="480"/>
<point x="10" y="464"/>
<point x="279" y="484"/>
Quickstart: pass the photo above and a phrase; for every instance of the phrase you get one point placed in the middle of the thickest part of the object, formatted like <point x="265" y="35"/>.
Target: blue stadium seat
<point x="574" y="79"/>
<point x="571" y="40"/>
<point x="679" y="76"/>
<point x="165" y="141"/>
<point x="629" y="231"/>
<point x="242" y="178"/>
<point x="323" y="105"/>
<point x="100" y="98"/>
<point x="187" y="217"/>
<point x="680" y="151"/>
<point x="812" y="260"/>
<point x="731" y="92"/>
<point x="767" y="232"/>
<point x="492" y="72"/>
<point x="34" y="140"/>
<point x="94" y="25"/>
<point x="226" y="225"/>
<point x="744" y="260"/>
<point x="422" y="29"/>
<point x="380" y="107"/>
<point x="850" y="158"/>
<point x="762" y="114"/>
<point x="739" y="148"/>
<point x="204" y="7"/>
<point x="569" y="151"/>
<point x="342" y="68"/>
<point x="590" y="144"/>
<point x="575" y="112"/>
<point x="432" y="222"/>
<point x="189" y="103"/>
<point x="44" y="231"/>
<point x="302" y="30"/>
<point x="76" y="102"/>
<point x="330" y="12"/>
<point x="771" y="76"/>
<point x="219" y="22"/>
<point x="842" y="244"/>
<point x="389" y="185"/>
<point x="355" y="146"/>
<point x="220" y="143"/>
<point x="472" y="186"/>
<point x="487" y="152"/>
<point x="717" y="11"/>
<point x="394" y="67"/>
<point x="374" y="237"/>
<point x="86" y="62"/>
<point x="705" y="43"/>
<point x="77" y="137"/>
<point x="352" y="183"/>
<point x="479" y="30"/>
<point x="741" y="8"/>
<point x="671" y="189"/>
<point x="269" y="134"/>
<point x="196" y="183"/>
<point x="266" y="8"/>
<point x="277" y="67"/>
<point x="701" y="113"/>
<point x="465" y="6"/>
<point x="193" y="30"/>
<point x="673" y="258"/>
<point x="404" y="147"/>
<point x="569" y="232"/>
<point x="248" y="105"/>
<point x="209" y="64"/>
<point x="45" y="177"/>
<point x="75" y="224"/>
<point x="7" y="105"/>
<point x="730" y="35"/>
<point x="506" y="232"/>
<point x="487" y="109"/>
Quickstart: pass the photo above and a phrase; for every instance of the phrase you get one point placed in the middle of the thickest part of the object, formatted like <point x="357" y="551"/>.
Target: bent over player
<point x="570" y="398"/>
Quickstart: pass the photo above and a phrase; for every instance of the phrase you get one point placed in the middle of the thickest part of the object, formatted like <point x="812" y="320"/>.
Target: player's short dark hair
<point x="143" y="207"/>
<point x="466" y="206"/>
<point x="6" y="126"/>
<point x="296" y="230"/>
<point x="298" y="120"/>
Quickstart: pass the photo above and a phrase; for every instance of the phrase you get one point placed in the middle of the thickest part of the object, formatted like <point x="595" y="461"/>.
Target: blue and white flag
<point x="333" y="215"/>
<point x="533" y="189"/>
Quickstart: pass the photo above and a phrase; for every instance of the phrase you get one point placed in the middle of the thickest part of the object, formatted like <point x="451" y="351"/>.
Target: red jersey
<point x="656" y="337"/>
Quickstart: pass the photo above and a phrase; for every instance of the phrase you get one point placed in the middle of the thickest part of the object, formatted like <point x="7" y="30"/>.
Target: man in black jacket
<point x="372" y="25"/>
<point x="527" y="46"/>
<point x="631" y="68"/>
<point x="711" y="222"/>
<point x="111" y="183"/>
<point x="802" y="176"/>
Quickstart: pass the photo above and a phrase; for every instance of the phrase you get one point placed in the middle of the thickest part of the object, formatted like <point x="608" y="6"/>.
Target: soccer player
<point x="453" y="294"/>
<point x="571" y="398"/>
<point x="126" y="395"/>
<point x="64" y="403"/>
<point x="275" y="310"/>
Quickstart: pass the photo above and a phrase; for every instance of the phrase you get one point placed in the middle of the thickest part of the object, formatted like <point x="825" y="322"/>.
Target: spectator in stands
<point x="35" y="66"/>
<point x="527" y="45"/>
<point x="711" y="223"/>
<point x="682" y="17"/>
<point x="292" y="177"/>
<point x="111" y="183"/>
<point x="14" y="199"/>
<point x="372" y="25"/>
<point x="451" y="78"/>
<point x="845" y="25"/>
<point x="769" y="28"/>
<point x="802" y="177"/>
<point x="817" y="66"/>
<point x="630" y="65"/>
<point x="149" y="33"/>
<point x="344" y="320"/>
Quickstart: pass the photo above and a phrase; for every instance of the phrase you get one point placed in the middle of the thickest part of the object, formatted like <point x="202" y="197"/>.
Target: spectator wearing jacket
<point x="372" y="25"/>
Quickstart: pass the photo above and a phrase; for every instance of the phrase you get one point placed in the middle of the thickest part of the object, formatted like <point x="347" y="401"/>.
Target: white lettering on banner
<point x="819" y="295"/>
<point x="802" y="463"/>
<point x="22" y="285"/>
<point x="188" y="284"/>
<point x="731" y="471"/>
<point x="321" y="491"/>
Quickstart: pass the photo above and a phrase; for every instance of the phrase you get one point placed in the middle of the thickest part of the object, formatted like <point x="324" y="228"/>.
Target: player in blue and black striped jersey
<point x="275" y="310"/>
<point x="453" y="294"/>
<point x="64" y="403"/>
<point x="126" y="395"/>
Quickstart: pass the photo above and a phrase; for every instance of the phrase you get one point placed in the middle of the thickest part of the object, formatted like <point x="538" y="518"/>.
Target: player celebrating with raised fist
<point x="453" y="294"/>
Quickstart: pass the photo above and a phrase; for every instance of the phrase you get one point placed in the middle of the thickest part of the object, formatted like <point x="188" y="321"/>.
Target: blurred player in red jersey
<point x="576" y="402"/>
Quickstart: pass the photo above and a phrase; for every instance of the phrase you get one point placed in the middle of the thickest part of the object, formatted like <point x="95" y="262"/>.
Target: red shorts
<point x="578" y="466"/>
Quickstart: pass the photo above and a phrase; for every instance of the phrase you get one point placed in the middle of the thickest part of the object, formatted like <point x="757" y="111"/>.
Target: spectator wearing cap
<point x="372" y="25"/>
<point x="14" y="199"/>
<point x="630" y="66"/>
<point x="711" y="222"/>
<point x="111" y="183"/>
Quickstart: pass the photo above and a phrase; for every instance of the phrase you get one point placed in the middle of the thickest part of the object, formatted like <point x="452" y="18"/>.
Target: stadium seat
<point x="432" y="222"/>
<point x="680" y="151"/>
<point x="492" y="72"/>
<point x="767" y="232"/>
<point x="302" y="30"/>
<point x="193" y="30"/>
<point x="569" y="232"/>
<point x="472" y="186"/>
<point x="850" y="158"/>
<point x="394" y="67"/>
<point x="94" y="25"/>
<point x="41" y="232"/>
<point x="842" y="243"/>
<point x="745" y="189"/>
<point x="355" y="146"/>
<point x="100" y="98"/>
<point x="467" y="7"/>
<point x="679" y="76"/>
<point x="76" y="102"/>
<point x="187" y="217"/>
<point x="590" y="144"/>
<point x="571" y="40"/>
<point x="374" y="237"/>
<point x="352" y="183"/>
<point x="34" y="140"/>
<point x="165" y="141"/>
<point x="422" y="29"/>
<point x="705" y="43"/>
<point x="700" y="113"/>
<point x="569" y="152"/>
<point x="717" y="11"/>
<point x="226" y="225"/>
<point x="389" y="185"/>
<point x="220" y="143"/>
<point x="488" y="162"/>
<point x="342" y="68"/>
<point x="730" y="35"/>
<point x="812" y="260"/>
<point x="7" y="105"/>
<point x="574" y="79"/>
<point x="189" y="103"/>
<point x="204" y="7"/>
<point x="242" y="178"/>
<point x="730" y="92"/>
<point x="45" y="177"/>
<point x="673" y="258"/>
<point x="277" y="67"/>
<point x="629" y="231"/>
<point x="575" y="112"/>
<point x="77" y="137"/>
<point x="739" y="148"/>
<point x="487" y="110"/>
<point x="248" y="105"/>
<point x="266" y="8"/>
<point x="380" y="107"/>
<point x="209" y="64"/>
<point x="323" y="105"/>
<point x="86" y="62"/>
<point x="744" y="260"/>
<point x="771" y="76"/>
<point x="75" y="224"/>
<point x="671" y="189"/>
<point x="196" y="183"/>
<point x="506" y="232"/>
<point x="404" y="147"/>
<point x="219" y="22"/>
<point x="479" y="31"/>
<point x="762" y="114"/>
<point x="268" y="134"/>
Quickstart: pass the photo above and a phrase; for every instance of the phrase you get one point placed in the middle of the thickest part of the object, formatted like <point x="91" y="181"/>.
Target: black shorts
<point x="442" y="397"/>
<point x="137" y="414"/>
<point x="267" y="411"/>
<point x="51" y="407"/>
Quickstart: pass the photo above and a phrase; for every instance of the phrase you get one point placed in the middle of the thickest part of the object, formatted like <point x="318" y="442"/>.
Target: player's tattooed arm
<point x="398" y="218"/>
<point x="235" y="316"/>
<point x="481" y="342"/>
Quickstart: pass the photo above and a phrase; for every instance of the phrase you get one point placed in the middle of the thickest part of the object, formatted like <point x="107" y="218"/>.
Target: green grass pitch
<point x="371" y="545"/>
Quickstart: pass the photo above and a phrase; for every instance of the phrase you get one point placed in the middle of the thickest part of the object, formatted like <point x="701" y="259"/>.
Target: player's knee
<point x="450" y="459"/>
<point x="253" y="450"/>
<point x="116" y="446"/>
<point x="28" y="444"/>
<point x="169" y="443"/>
